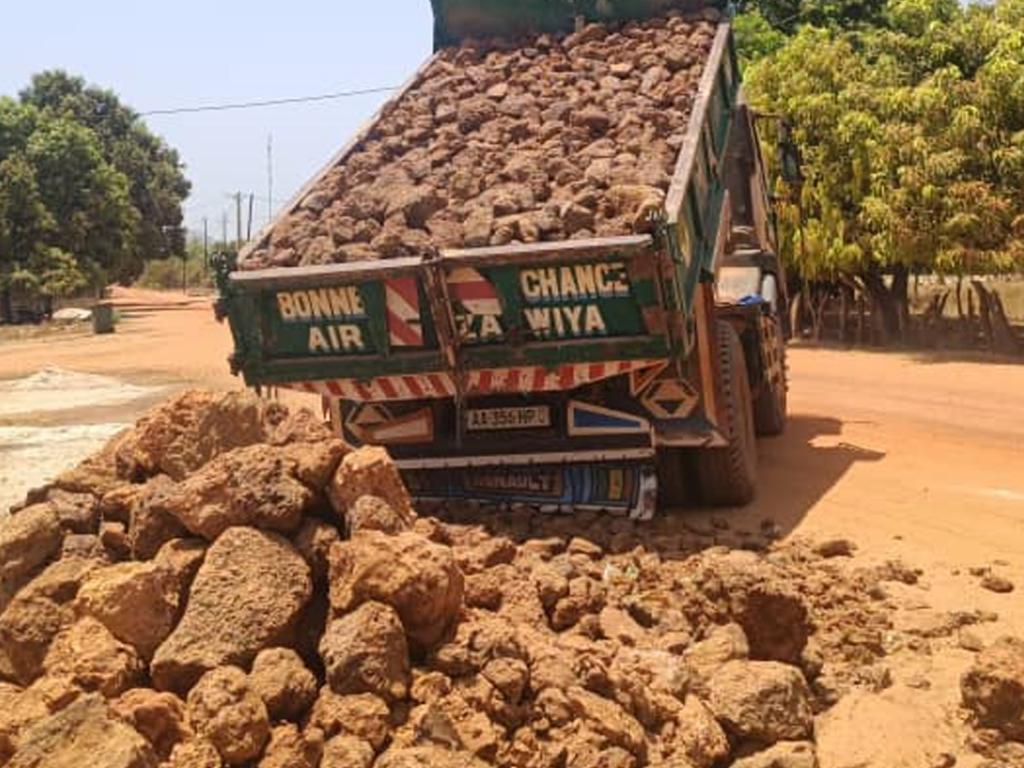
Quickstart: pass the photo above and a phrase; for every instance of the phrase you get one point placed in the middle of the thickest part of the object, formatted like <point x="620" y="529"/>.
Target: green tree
<point x="912" y="136"/>
<point x="87" y="196"/>
<point x="156" y="183"/>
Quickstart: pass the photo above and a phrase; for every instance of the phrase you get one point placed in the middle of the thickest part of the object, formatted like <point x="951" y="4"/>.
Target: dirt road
<point x="909" y="455"/>
<point x="912" y="457"/>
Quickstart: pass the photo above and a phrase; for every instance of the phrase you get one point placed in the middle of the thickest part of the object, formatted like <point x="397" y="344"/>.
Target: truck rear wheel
<point x="674" y="477"/>
<point x="770" y="406"/>
<point x="727" y="476"/>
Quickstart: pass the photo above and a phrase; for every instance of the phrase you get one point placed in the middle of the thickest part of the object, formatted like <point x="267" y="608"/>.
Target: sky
<point x="187" y="53"/>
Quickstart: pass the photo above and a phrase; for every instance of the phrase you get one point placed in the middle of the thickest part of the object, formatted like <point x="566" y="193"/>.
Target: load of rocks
<point x="510" y="142"/>
<point x="227" y="584"/>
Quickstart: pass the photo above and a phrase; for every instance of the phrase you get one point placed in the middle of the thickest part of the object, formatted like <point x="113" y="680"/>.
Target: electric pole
<point x="270" y="176"/>
<point x="248" y="227"/>
<point x="238" y="221"/>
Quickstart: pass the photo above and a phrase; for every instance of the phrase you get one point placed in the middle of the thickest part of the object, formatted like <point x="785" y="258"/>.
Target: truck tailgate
<point x="542" y="317"/>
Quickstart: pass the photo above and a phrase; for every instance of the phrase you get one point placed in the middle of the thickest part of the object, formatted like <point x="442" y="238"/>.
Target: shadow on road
<point x="797" y="469"/>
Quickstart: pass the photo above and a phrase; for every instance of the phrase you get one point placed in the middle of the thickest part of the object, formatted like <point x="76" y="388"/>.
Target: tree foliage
<point x="912" y="136"/>
<point x="87" y="193"/>
<point x="156" y="185"/>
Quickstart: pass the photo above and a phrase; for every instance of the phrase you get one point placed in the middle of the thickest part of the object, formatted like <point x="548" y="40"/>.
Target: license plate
<point x="509" y="418"/>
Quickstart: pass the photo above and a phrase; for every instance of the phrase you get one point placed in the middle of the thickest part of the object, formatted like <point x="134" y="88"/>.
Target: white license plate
<point x="509" y="418"/>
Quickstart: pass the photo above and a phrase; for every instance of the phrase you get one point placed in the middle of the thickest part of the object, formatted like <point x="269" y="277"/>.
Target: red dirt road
<point x="910" y="456"/>
<point x="907" y="454"/>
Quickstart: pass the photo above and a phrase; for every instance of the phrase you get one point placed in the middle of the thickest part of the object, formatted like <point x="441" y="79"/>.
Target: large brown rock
<point x="698" y="735"/>
<point x="259" y="485"/>
<point x="362" y="715"/>
<point x="77" y="513"/>
<point x="27" y="627"/>
<point x="86" y="733"/>
<point x="195" y="753"/>
<point x="314" y="541"/>
<point x="291" y="748"/>
<point x="137" y="602"/>
<point x="417" y="577"/>
<point x="149" y="525"/>
<point x="372" y="513"/>
<point x="615" y="726"/>
<point x="182" y="558"/>
<point x="370" y="471"/>
<point x="365" y="652"/>
<point x="27" y="540"/>
<point x="88" y="655"/>
<point x="182" y="434"/>
<point x="97" y="474"/>
<point x="160" y="717"/>
<point x="763" y="701"/>
<point x="785" y="754"/>
<point x="284" y="683"/>
<point x="993" y="687"/>
<point x="428" y="757"/>
<point x="224" y="709"/>
<point x="347" y="752"/>
<point x="723" y="643"/>
<point x="247" y="596"/>
<point x="776" y="622"/>
<point x="20" y="708"/>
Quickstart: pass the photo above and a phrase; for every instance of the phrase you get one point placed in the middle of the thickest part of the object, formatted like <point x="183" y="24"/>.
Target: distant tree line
<point x="87" y="192"/>
<point x="910" y="118"/>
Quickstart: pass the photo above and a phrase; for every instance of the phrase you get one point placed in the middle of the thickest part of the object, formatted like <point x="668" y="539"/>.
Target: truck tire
<point x="727" y="476"/>
<point x="770" y="406"/>
<point x="674" y="478"/>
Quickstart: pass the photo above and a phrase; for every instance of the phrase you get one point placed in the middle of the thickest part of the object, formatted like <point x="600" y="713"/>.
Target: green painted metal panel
<point x="536" y="316"/>
<point x="330" y="324"/>
<point x="456" y="20"/>
<point x="536" y="303"/>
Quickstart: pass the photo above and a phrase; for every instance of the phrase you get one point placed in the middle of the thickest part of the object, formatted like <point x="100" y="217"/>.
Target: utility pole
<point x="270" y="176"/>
<point x="248" y="227"/>
<point x="238" y="221"/>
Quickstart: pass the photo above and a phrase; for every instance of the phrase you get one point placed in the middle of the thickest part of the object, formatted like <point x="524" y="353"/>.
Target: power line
<point x="267" y="102"/>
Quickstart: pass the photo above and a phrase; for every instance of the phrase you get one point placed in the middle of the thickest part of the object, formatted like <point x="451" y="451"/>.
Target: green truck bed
<point x="544" y="305"/>
<point x="558" y="374"/>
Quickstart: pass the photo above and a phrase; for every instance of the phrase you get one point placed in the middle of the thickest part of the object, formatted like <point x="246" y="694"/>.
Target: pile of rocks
<point x="496" y="143"/>
<point x="993" y="695"/>
<point x="228" y="584"/>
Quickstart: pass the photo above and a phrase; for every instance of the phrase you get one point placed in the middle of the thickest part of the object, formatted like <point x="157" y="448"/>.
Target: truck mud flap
<point x="622" y="488"/>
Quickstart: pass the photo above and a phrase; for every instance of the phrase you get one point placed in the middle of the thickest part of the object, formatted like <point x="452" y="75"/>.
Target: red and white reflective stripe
<point x="538" y="379"/>
<point x="405" y="329"/>
<point x="382" y="388"/>
<point x="487" y="381"/>
<point x="473" y="291"/>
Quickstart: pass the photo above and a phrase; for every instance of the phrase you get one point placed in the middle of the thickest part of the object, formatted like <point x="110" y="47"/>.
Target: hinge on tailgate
<point x="447" y="335"/>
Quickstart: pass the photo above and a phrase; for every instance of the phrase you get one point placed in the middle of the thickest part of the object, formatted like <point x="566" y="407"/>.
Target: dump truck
<point x="545" y="273"/>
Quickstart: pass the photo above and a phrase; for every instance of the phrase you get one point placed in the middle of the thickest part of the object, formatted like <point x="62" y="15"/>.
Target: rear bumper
<point x="531" y="459"/>
<point x="625" y="487"/>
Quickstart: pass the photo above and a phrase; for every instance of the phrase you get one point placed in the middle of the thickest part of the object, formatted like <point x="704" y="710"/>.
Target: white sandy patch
<point x="31" y="456"/>
<point x="55" y="389"/>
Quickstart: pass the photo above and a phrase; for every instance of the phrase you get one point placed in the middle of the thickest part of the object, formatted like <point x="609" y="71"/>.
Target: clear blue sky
<point x="159" y="55"/>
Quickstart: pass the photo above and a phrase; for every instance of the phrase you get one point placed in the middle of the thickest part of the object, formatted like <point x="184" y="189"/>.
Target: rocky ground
<point x="227" y="584"/>
<point x="541" y="139"/>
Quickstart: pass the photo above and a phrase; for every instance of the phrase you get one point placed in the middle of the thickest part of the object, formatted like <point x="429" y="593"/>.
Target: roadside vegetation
<point x="87" y="192"/>
<point x="910" y="118"/>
